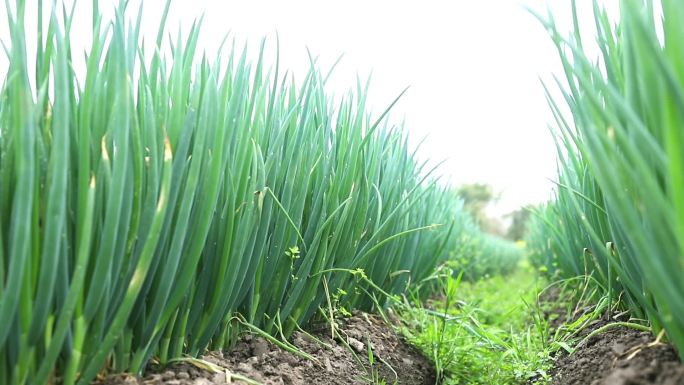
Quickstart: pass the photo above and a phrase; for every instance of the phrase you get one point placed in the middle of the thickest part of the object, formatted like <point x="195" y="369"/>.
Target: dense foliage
<point x="619" y="212"/>
<point x="163" y="201"/>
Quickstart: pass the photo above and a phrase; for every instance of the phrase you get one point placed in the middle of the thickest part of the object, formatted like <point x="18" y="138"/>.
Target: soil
<point x="618" y="356"/>
<point x="340" y="361"/>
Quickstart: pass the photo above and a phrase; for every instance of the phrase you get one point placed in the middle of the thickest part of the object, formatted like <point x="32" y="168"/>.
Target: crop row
<point x="618" y="216"/>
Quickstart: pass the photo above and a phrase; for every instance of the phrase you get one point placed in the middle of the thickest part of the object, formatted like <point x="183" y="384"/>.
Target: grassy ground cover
<point x="487" y="331"/>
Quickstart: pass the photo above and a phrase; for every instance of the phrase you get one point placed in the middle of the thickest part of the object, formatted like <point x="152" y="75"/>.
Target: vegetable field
<point x="166" y="203"/>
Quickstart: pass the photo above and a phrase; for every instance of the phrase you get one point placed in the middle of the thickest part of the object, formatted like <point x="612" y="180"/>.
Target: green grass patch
<point x="483" y="332"/>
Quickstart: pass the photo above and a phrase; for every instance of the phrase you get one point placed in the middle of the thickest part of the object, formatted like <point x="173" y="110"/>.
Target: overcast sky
<point x="473" y="67"/>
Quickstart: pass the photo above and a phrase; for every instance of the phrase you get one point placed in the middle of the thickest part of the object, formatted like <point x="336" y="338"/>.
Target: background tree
<point x="476" y="198"/>
<point x="518" y="227"/>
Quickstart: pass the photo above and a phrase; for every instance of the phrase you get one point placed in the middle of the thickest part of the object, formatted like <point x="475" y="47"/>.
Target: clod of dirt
<point x="340" y="361"/>
<point x="356" y="345"/>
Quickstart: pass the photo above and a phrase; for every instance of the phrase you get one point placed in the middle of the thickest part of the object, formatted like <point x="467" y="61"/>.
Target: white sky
<point x="473" y="67"/>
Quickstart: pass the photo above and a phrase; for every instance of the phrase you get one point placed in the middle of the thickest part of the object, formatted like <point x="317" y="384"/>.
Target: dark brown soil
<point x="620" y="356"/>
<point x="617" y="356"/>
<point x="344" y="360"/>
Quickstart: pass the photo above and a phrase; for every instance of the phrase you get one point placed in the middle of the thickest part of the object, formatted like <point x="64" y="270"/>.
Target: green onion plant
<point x="619" y="211"/>
<point x="155" y="204"/>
